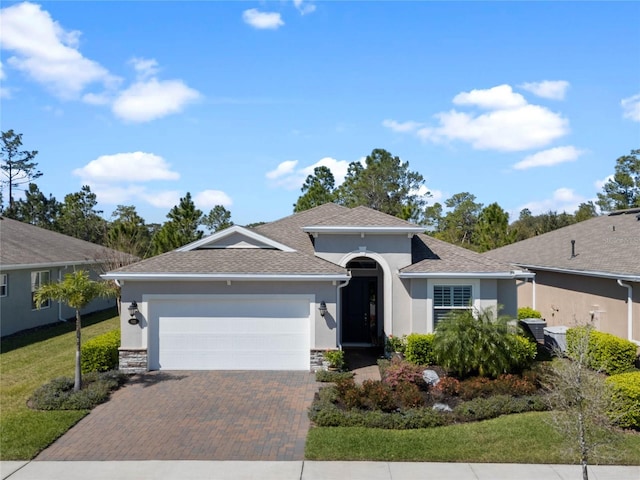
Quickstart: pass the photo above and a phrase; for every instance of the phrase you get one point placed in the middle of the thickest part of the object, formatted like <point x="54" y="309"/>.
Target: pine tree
<point x="17" y="165"/>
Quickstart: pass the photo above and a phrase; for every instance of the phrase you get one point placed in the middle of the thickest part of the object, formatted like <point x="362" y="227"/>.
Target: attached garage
<point x="229" y="332"/>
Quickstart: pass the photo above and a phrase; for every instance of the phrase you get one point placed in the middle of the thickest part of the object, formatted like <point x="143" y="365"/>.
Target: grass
<point x="522" y="438"/>
<point x="28" y="361"/>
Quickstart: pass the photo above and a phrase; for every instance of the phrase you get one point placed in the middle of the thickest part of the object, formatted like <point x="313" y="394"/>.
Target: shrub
<point x="528" y="312"/>
<point x="523" y="352"/>
<point x="420" y="349"/>
<point x="335" y="358"/>
<point x="59" y="395"/>
<point x="396" y="344"/>
<point x="492" y="407"/>
<point x="378" y="396"/>
<point x="606" y="352"/>
<point x="507" y="384"/>
<point x="329" y="376"/>
<point x="466" y="344"/>
<point x="408" y="395"/>
<point x="626" y="396"/>
<point x="100" y="354"/>
<point x="403" y="372"/>
<point x="449" y="386"/>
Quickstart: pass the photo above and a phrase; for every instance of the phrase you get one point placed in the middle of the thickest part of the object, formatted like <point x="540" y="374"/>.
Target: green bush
<point x="528" y="312"/>
<point x="419" y="349"/>
<point x="329" y="376"/>
<point x="335" y="358"/>
<point x="59" y="395"/>
<point x="626" y="393"/>
<point x="466" y="344"/>
<point x="100" y="354"/>
<point x="492" y="407"/>
<point x="606" y="353"/>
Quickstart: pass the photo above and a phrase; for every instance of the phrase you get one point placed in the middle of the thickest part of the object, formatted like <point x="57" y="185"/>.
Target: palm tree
<point x="76" y="290"/>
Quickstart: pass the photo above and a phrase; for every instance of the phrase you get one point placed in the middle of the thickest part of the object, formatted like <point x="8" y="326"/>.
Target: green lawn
<point x="522" y="438"/>
<point x="29" y="361"/>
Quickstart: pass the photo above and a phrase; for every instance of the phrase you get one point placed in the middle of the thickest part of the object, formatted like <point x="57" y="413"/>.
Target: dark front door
<point x="359" y="311"/>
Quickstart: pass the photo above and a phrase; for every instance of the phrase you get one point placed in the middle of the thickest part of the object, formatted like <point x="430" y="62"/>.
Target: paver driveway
<point x="203" y="415"/>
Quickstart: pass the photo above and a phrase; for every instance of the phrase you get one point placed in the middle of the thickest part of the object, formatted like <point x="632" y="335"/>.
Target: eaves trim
<point x="224" y="277"/>
<point x="469" y="275"/>
<point x="586" y="273"/>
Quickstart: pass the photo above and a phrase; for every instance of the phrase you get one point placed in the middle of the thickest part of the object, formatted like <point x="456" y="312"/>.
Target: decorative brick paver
<point x="203" y="415"/>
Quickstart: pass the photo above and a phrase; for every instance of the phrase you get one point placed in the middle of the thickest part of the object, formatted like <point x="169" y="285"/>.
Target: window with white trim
<point x="4" y="284"/>
<point x="38" y="279"/>
<point x="448" y="298"/>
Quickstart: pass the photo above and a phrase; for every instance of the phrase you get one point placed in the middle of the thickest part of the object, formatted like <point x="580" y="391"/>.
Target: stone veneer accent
<point x="317" y="356"/>
<point x="133" y="360"/>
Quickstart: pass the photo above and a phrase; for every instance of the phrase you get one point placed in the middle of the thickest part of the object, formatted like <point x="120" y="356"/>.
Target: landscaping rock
<point x="430" y="377"/>
<point x="442" y="407"/>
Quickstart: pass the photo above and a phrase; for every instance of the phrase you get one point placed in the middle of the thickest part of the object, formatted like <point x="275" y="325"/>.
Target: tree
<point x="79" y="218"/>
<point x="460" y="221"/>
<point x="180" y="229"/>
<point x="492" y="229"/>
<point x="76" y="290"/>
<point x="383" y="183"/>
<point x="432" y="218"/>
<point x="585" y="211"/>
<point x="580" y="400"/>
<point x="17" y="165"/>
<point x="623" y="190"/>
<point x="36" y="209"/>
<point x="128" y="232"/>
<point x="317" y="189"/>
<point x="217" y="219"/>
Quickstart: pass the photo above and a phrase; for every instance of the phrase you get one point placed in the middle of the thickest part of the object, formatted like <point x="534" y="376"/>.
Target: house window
<point x="38" y="279"/>
<point x="448" y="298"/>
<point x="4" y="284"/>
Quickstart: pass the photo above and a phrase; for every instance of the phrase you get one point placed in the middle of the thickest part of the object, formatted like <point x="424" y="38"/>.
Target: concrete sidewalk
<point x="303" y="470"/>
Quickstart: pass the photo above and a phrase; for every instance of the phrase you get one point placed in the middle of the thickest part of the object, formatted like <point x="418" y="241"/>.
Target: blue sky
<point x="527" y="104"/>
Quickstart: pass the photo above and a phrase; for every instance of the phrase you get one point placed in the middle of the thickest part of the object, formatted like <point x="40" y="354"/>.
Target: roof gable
<point x="235" y="237"/>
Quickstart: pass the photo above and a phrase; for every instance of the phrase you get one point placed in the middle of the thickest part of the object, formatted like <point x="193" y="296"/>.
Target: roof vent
<point x="638" y="217"/>
<point x="573" y="248"/>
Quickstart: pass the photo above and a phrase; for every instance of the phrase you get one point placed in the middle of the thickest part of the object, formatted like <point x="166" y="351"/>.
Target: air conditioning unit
<point x="555" y="338"/>
<point x="535" y="326"/>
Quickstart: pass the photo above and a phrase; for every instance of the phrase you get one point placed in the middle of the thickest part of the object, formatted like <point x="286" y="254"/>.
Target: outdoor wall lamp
<point x="133" y="310"/>
<point x="323" y="308"/>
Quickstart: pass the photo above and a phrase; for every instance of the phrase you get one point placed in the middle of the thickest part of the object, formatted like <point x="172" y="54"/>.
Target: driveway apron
<point x="196" y="415"/>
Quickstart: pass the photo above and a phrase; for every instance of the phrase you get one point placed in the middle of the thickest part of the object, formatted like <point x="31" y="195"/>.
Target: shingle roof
<point x="25" y="244"/>
<point x="608" y="244"/>
<point x="430" y="255"/>
<point x="363" y="217"/>
<point x="235" y="261"/>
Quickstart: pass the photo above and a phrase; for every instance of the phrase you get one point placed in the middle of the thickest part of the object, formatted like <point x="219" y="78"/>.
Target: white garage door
<point x="240" y="332"/>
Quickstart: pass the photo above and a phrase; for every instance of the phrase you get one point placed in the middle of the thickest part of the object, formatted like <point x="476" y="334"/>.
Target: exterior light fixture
<point x="323" y="308"/>
<point x="133" y="310"/>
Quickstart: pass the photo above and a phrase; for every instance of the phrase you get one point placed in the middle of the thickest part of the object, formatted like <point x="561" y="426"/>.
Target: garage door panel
<point x="257" y="335"/>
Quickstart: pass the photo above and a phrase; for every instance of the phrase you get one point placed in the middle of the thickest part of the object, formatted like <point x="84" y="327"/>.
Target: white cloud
<point x="550" y="157"/>
<point x="286" y="174"/>
<point x="47" y="53"/>
<point x="402" y="127"/>
<point x="163" y="199"/>
<point x="552" y="89"/>
<point x="562" y="200"/>
<point x="304" y="7"/>
<point x="513" y="129"/>
<point x="262" y="20"/>
<point x="511" y="124"/>
<point x="500" y="97"/>
<point x="133" y="167"/>
<point x="152" y="99"/>
<point x="631" y="107"/>
<point x="145" y="67"/>
<point x="207" y="199"/>
<point x="601" y="183"/>
<point x="103" y="98"/>
<point x="283" y="169"/>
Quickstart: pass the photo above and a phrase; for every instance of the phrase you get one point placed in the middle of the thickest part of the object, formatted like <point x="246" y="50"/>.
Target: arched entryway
<point x="361" y="303"/>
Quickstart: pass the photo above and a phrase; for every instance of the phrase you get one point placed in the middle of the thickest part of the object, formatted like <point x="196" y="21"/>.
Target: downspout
<point x="533" y="296"/>
<point x="339" y="312"/>
<point x="629" y="309"/>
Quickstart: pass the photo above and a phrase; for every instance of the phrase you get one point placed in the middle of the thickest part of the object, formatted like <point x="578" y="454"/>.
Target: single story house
<point x="276" y="296"/>
<point x="31" y="256"/>
<point x="588" y="272"/>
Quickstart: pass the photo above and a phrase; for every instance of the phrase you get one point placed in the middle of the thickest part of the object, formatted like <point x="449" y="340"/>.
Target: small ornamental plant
<point x="396" y="344"/>
<point x="335" y="358"/>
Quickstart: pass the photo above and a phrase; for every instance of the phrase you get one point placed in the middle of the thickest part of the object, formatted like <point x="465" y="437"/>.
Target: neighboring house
<point x="588" y="272"/>
<point x="278" y="295"/>
<point x="31" y="256"/>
